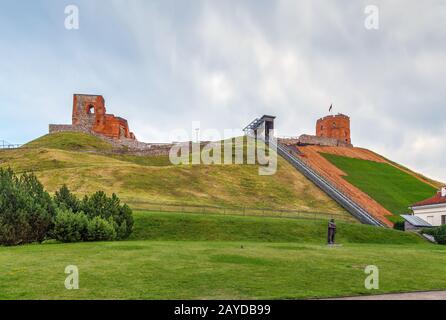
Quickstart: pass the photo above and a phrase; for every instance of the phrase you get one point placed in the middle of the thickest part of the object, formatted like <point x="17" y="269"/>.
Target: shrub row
<point x="101" y="212"/>
<point x="439" y="233"/>
<point x="29" y="214"/>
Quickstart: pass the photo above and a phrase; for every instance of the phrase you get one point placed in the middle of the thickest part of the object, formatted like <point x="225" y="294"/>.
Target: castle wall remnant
<point x="89" y="112"/>
<point x="337" y="127"/>
<point x="306" y="139"/>
<point x="89" y="116"/>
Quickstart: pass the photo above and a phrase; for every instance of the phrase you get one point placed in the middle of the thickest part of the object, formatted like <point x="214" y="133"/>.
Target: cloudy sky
<point x="164" y="64"/>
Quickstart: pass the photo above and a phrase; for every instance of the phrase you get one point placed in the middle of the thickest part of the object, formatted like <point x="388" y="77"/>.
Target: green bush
<point x="439" y="233"/>
<point x="99" y="205"/>
<point x="109" y="209"/>
<point x="29" y="214"/>
<point x="100" y="229"/>
<point x="70" y="226"/>
<point x="26" y="209"/>
<point x="398" y="225"/>
<point x="65" y="199"/>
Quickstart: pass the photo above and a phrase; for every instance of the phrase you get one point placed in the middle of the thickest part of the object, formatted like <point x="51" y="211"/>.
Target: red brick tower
<point x="337" y="127"/>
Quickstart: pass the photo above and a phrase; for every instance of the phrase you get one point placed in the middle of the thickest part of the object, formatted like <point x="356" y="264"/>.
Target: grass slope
<point x="72" y="141"/>
<point x="394" y="189"/>
<point x="198" y="227"/>
<point x="215" y="270"/>
<point x="153" y="179"/>
<point x="280" y="259"/>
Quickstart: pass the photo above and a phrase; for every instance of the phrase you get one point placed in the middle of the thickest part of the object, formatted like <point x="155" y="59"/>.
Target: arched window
<point x="90" y="109"/>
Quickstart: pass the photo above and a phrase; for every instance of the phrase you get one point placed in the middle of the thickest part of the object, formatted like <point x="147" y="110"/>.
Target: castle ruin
<point x="89" y="115"/>
<point x="331" y="131"/>
<point x="337" y="127"/>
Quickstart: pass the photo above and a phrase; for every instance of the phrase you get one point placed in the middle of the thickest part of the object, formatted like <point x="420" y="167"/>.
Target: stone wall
<point x="127" y="146"/>
<point x="306" y="139"/>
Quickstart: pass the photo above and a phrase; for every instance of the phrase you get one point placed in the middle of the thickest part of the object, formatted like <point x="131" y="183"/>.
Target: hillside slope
<point x="383" y="187"/>
<point x="153" y="179"/>
<point x="198" y="227"/>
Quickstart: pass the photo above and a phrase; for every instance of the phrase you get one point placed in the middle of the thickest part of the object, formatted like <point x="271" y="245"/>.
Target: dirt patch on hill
<point x="311" y="155"/>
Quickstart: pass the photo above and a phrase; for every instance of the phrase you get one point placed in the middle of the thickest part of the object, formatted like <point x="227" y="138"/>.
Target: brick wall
<point x="337" y="127"/>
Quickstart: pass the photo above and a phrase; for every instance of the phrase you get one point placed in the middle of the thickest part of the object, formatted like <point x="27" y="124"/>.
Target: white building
<point x="432" y="210"/>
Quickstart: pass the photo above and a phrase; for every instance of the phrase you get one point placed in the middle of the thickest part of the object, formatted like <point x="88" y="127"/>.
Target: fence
<point x="6" y="145"/>
<point x="238" y="211"/>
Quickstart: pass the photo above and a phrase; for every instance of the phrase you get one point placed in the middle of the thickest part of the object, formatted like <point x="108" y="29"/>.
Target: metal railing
<point x="346" y="202"/>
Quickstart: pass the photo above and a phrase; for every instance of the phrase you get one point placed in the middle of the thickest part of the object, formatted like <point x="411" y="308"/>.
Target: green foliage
<point x="399" y="225"/>
<point x="26" y="209"/>
<point x="110" y="209"/>
<point x="70" y="227"/>
<point x="29" y="214"/>
<point x="100" y="229"/>
<point x="439" y="233"/>
<point x="391" y="187"/>
<point x="103" y="213"/>
<point x="65" y="199"/>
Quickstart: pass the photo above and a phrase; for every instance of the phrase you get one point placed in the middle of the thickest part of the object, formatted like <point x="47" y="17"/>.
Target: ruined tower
<point x="90" y="114"/>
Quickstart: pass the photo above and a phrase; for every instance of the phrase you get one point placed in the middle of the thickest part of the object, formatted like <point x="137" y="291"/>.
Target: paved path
<point x="428" y="295"/>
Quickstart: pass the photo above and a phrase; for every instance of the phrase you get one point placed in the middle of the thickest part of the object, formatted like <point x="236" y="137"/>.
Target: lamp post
<point x="197" y="132"/>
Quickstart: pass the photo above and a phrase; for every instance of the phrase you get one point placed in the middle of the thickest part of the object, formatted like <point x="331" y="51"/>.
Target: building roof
<point x="415" y="221"/>
<point x="437" y="199"/>
<point x="265" y="116"/>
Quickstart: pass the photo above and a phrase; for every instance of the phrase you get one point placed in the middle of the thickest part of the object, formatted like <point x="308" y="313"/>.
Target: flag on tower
<point x="331" y="107"/>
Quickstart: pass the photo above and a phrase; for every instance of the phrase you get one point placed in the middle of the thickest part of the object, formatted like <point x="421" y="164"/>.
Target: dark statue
<point x="331" y="231"/>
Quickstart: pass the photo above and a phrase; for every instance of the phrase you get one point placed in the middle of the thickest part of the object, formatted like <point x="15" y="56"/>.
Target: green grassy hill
<point x="203" y="256"/>
<point x="176" y="256"/>
<point x="163" y="226"/>
<point x="391" y="187"/>
<point x="85" y="164"/>
<point x="71" y="141"/>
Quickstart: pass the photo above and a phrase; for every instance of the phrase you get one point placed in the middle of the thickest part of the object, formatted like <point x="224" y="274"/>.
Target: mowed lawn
<point x="248" y="265"/>
<point x="394" y="189"/>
